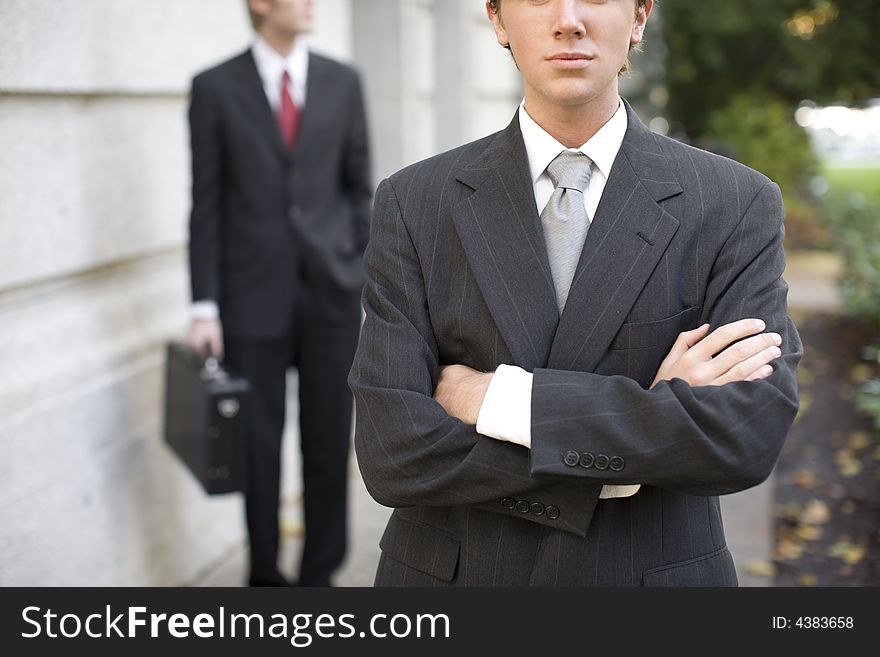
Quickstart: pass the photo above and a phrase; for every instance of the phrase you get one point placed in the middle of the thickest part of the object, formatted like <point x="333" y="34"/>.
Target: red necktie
<point x="288" y="115"/>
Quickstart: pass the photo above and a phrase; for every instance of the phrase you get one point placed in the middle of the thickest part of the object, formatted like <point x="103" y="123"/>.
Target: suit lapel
<point x="501" y="234"/>
<point x="253" y="99"/>
<point x="626" y="241"/>
<point x="317" y="82"/>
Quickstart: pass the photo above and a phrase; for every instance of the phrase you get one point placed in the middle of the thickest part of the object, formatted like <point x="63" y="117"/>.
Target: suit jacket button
<point x="586" y="460"/>
<point x="522" y="506"/>
<point x="601" y="462"/>
<point x="552" y="512"/>
<point x="571" y="457"/>
<point x="508" y="502"/>
<point x="537" y="508"/>
<point x="617" y="463"/>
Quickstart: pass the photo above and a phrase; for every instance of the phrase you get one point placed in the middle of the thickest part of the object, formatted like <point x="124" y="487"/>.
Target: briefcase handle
<point x="211" y="368"/>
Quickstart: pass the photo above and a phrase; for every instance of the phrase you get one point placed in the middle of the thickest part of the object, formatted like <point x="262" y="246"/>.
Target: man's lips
<point x="568" y="56"/>
<point x="569" y="60"/>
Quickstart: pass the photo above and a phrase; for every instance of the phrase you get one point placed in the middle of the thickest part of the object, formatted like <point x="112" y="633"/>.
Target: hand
<point x="712" y="360"/>
<point x="205" y="336"/>
<point x="460" y="391"/>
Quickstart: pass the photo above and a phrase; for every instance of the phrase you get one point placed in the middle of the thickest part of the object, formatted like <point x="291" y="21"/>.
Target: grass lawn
<point x="854" y="179"/>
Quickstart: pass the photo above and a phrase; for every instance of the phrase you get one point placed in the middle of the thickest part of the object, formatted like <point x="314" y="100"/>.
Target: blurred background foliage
<point x="788" y="50"/>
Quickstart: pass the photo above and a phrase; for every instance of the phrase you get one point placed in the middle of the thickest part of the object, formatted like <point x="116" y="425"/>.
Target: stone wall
<point x="94" y="199"/>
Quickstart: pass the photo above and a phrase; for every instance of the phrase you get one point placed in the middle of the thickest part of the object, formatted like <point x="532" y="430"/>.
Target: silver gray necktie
<point x="565" y="219"/>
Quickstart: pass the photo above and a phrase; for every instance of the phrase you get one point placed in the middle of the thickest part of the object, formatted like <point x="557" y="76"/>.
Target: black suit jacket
<point x="457" y="272"/>
<point x="264" y="221"/>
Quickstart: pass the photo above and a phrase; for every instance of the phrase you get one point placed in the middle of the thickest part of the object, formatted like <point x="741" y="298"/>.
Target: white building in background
<point x="94" y="203"/>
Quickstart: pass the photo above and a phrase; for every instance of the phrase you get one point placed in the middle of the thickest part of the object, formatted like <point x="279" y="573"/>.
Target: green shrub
<point x="868" y="399"/>
<point x="855" y="223"/>
<point x="760" y="131"/>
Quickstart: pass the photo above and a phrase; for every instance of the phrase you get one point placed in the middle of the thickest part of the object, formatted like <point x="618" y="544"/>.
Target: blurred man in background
<point x="280" y="212"/>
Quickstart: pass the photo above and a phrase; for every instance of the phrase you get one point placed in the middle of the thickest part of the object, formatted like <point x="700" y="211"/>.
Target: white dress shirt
<point x="271" y="67"/>
<point x="506" y="413"/>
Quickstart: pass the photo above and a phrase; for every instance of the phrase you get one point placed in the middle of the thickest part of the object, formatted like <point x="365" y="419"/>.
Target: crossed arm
<point x="703" y="439"/>
<point x="698" y="357"/>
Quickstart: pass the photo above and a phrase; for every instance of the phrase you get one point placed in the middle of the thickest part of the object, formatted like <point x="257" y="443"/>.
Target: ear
<point x="500" y="32"/>
<point x="638" y="31"/>
<point x="259" y="7"/>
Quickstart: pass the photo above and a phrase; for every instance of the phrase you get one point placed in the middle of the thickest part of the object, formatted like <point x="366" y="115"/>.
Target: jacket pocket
<point x="713" y="569"/>
<point x="661" y="332"/>
<point x="423" y="547"/>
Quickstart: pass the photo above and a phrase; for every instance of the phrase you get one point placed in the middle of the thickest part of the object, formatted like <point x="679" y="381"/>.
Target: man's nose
<point x="569" y="19"/>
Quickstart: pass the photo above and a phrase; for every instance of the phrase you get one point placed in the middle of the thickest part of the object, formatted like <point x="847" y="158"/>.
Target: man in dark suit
<point x="576" y="335"/>
<point x="280" y="220"/>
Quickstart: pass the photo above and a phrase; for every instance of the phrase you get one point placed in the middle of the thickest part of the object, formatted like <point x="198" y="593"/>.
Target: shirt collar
<point x="271" y="65"/>
<point x="601" y="148"/>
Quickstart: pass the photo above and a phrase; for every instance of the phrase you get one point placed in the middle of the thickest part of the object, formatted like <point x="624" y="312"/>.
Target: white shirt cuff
<point x="204" y="310"/>
<point x="506" y="413"/>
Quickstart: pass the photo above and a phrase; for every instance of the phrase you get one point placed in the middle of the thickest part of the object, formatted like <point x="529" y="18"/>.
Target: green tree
<point x="792" y="50"/>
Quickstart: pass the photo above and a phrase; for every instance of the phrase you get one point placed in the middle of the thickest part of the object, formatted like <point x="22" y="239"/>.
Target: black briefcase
<point x="205" y="407"/>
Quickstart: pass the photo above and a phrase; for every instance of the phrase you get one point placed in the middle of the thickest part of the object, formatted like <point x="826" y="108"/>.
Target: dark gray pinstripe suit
<point x="458" y="273"/>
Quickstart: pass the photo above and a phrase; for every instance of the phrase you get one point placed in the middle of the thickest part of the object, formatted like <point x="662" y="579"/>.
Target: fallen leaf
<point x="838" y="439"/>
<point x="847" y="463"/>
<point x="854" y="555"/>
<point x="848" y="507"/>
<point x="859" y="440"/>
<point x="760" y="569"/>
<point x="787" y="549"/>
<point x="847" y="551"/>
<point x="861" y="373"/>
<point x="808" y="579"/>
<point x="815" y="513"/>
<point x="850" y="468"/>
<point x="805" y="479"/>
<point x="808" y="533"/>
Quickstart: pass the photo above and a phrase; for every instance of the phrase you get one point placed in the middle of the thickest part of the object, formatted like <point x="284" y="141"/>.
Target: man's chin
<point x="579" y="92"/>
